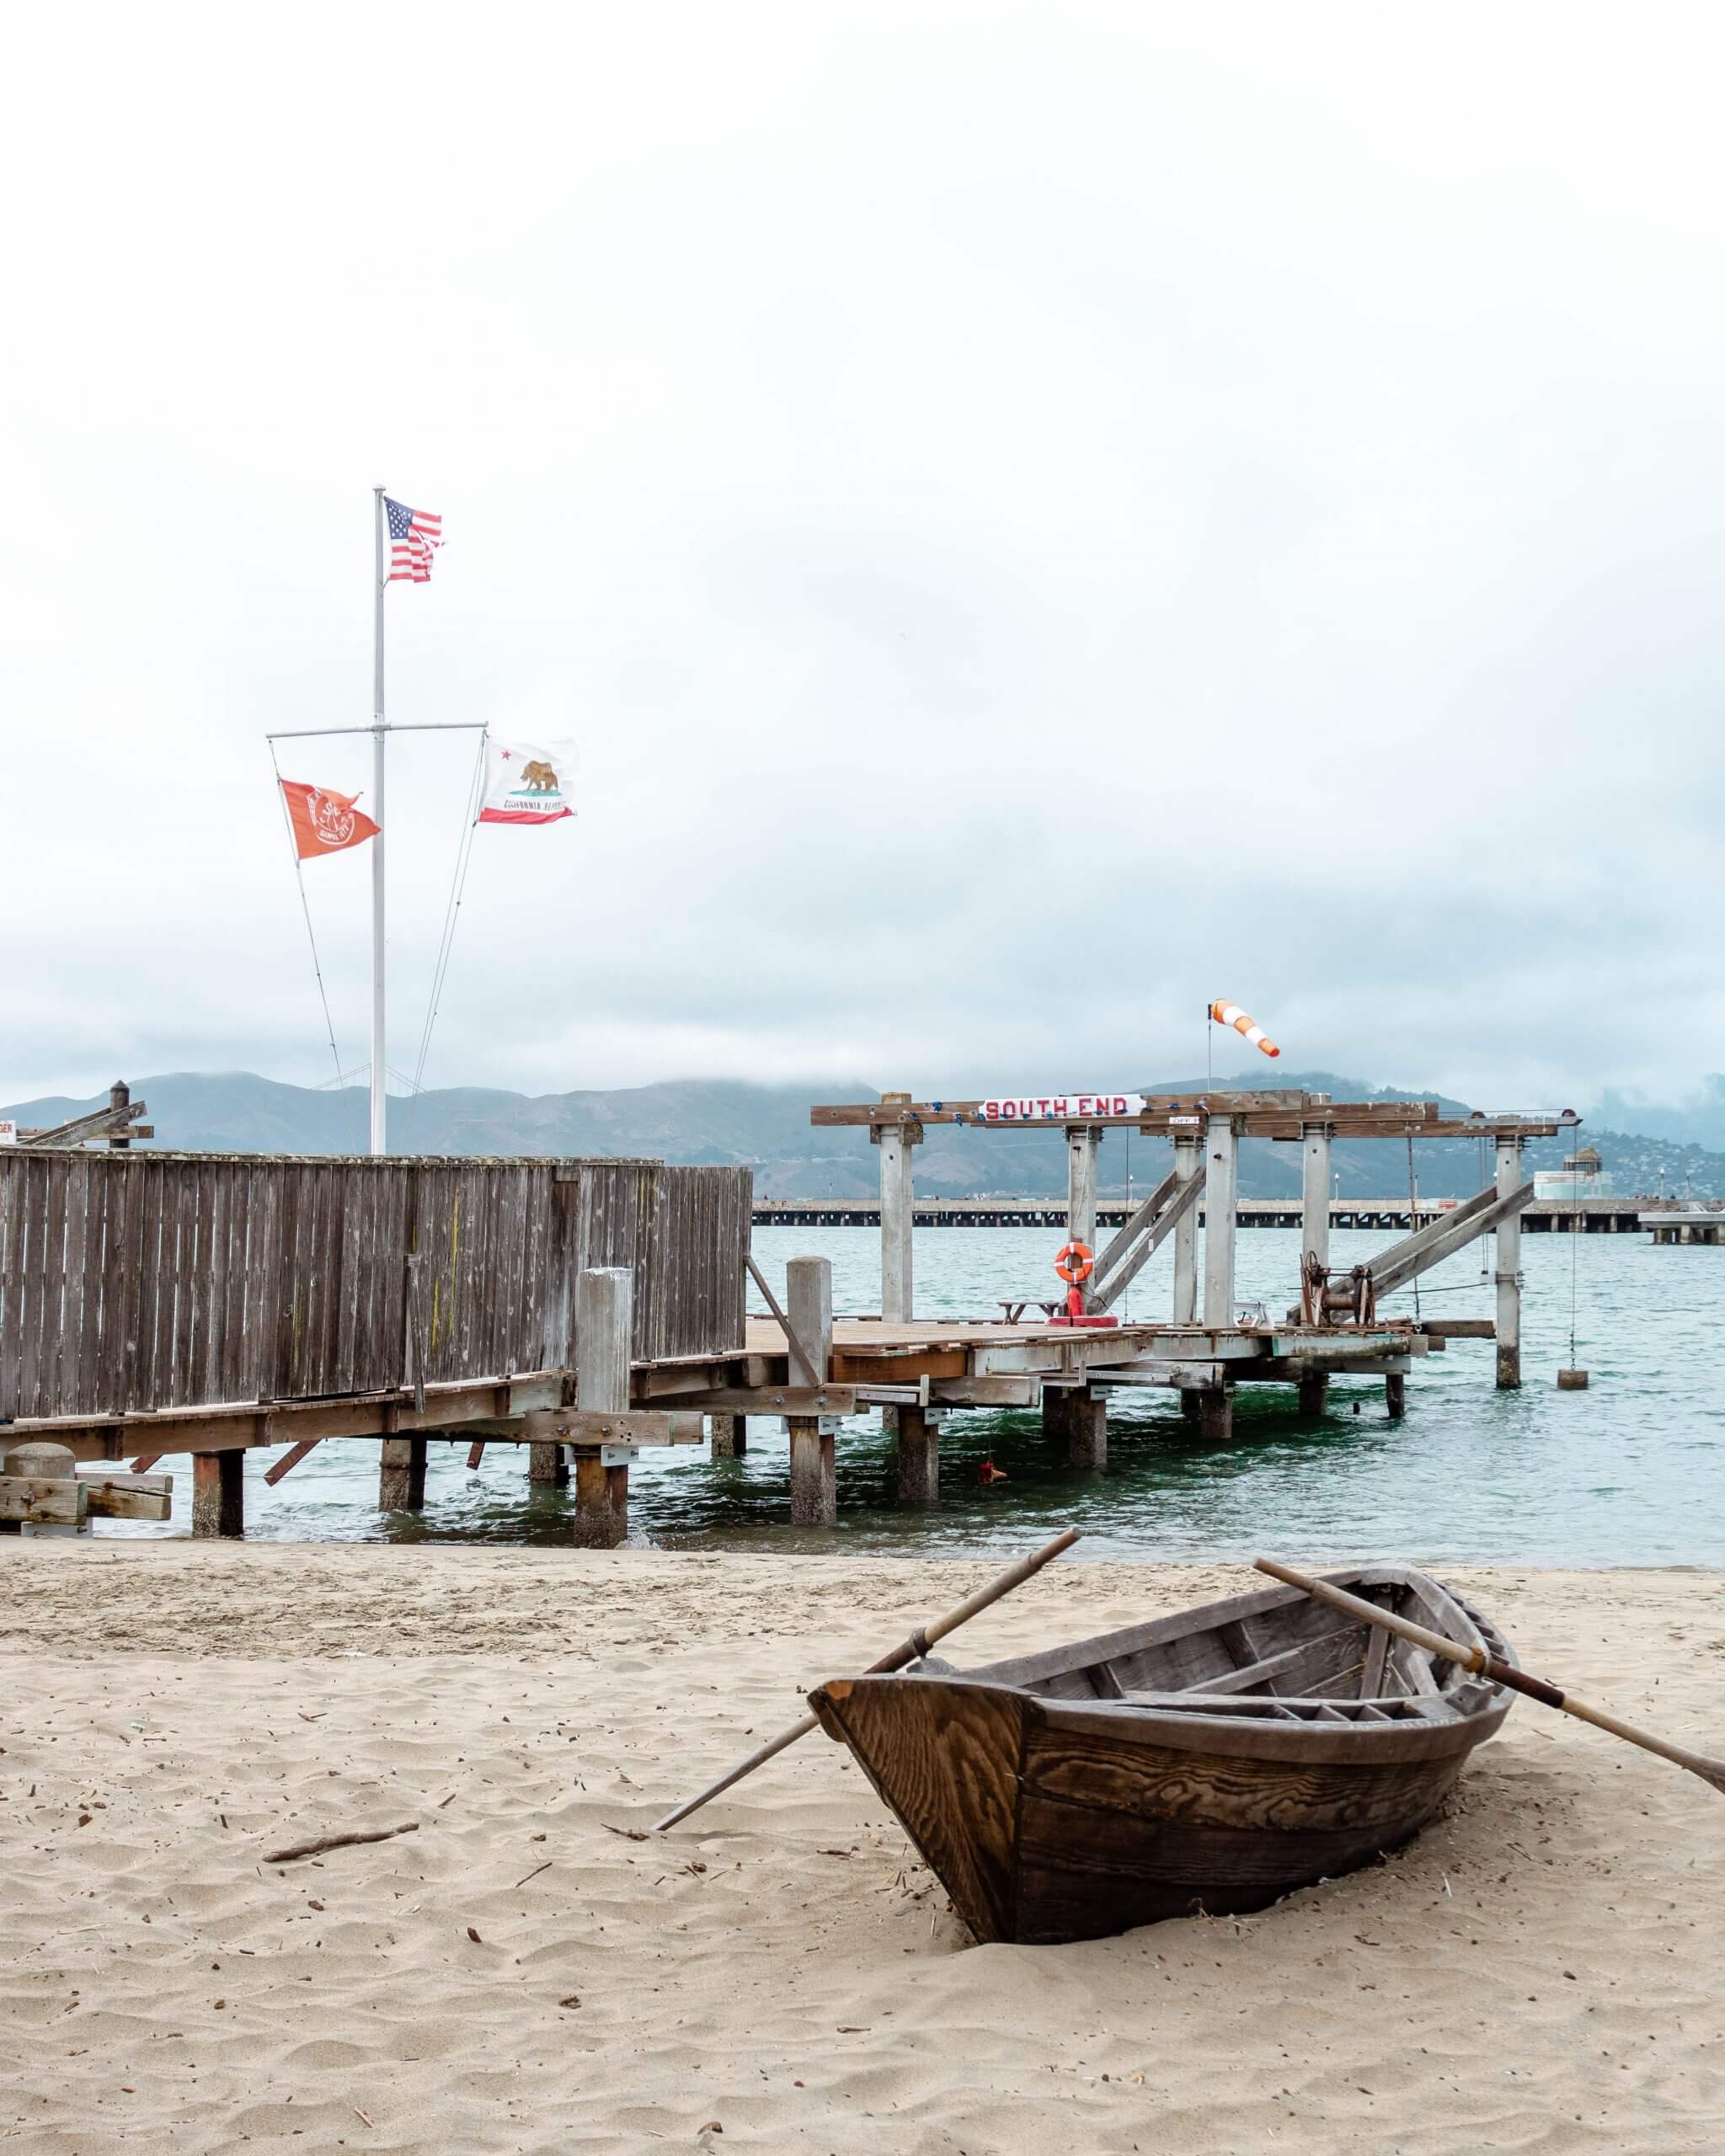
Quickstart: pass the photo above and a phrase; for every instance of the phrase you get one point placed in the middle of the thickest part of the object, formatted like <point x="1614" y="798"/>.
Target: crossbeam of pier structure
<point x="1280" y="1113"/>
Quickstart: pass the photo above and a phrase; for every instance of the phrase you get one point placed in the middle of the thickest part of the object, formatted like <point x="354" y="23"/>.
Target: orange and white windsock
<point x="1230" y="1014"/>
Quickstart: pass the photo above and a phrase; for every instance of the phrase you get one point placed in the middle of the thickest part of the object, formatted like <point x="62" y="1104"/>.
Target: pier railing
<point x="131" y="1283"/>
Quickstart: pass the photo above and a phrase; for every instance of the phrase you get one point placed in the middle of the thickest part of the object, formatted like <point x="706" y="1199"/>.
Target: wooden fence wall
<point x="140" y="1281"/>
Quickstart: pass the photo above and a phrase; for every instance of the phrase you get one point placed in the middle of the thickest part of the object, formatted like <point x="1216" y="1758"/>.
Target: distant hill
<point x="767" y="1128"/>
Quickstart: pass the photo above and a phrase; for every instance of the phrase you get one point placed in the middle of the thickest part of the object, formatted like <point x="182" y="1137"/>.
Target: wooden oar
<point x="1500" y="1672"/>
<point x="918" y="1644"/>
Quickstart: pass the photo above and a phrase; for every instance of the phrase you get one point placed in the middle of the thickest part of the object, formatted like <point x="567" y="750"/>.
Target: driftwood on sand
<point x="340" y="1842"/>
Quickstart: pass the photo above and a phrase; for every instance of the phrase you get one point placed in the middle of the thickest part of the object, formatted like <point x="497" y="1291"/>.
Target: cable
<point x="306" y="909"/>
<point x="451" y="912"/>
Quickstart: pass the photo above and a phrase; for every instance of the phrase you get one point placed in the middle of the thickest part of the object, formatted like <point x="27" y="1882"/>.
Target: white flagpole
<point x="379" y="1138"/>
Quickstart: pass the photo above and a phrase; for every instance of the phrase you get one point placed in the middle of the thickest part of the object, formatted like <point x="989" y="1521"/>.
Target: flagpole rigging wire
<point x="451" y="912"/>
<point x="299" y="877"/>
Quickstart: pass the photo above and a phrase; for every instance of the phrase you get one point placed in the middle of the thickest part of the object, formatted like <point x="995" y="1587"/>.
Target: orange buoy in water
<point x="988" y="1473"/>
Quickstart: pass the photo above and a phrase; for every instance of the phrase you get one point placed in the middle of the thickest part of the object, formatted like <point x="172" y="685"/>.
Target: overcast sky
<point x="1036" y="517"/>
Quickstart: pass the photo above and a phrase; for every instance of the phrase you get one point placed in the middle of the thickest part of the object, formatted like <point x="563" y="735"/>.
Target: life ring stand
<point x="1075" y="1263"/>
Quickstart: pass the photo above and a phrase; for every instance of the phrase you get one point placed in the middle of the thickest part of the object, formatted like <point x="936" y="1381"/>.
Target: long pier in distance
<point x="1593" y="1216"/>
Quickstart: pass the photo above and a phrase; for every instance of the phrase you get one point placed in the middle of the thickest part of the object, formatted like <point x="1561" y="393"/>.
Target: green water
<point x="1631" y="1471"/>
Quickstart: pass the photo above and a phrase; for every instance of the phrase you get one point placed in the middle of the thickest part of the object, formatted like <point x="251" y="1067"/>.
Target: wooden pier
<point x="152" y="1305"/>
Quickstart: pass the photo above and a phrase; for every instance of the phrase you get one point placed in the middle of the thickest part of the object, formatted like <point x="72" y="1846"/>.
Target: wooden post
<point x="1190" y="1403"/>
<point x="919" y="1458"/>
<point x="1081" y="1142"/>
<point x="1216" y="1414"/>
<point x="1315" y="1235"/>
<point x="1185" y="1311"/>
<point x="119" y="1097"/>
<point x="1395" y="1396"/>
<point x="730" y="1436"/>
<point x="401" y="1476"/>
<point x="218" y="1493"/>
<point x="1086" y="1420"/>
<point x="1220" y="1197"/>
<point x="898" y="1213"/>
<point x="814" y="1473"/>
<point x="605" y="1315"/>
<point x="546" y="1465"/>
<point x="41" y="1460"/>
<point x="1509" y="1270"/>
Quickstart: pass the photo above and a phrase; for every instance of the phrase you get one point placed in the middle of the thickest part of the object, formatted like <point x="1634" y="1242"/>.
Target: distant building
<point x="1581" y="1176"/>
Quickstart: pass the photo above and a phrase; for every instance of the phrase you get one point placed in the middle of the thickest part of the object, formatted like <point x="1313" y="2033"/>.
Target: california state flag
<point x="527" y="781"/>
<point x="324" y="822"/>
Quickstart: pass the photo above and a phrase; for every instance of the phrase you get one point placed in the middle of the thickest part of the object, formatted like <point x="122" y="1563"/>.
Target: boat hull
<point x="1049" y="1820"/>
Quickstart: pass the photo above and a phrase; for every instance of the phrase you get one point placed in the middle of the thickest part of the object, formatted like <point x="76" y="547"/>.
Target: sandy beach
<point x="1537" y="1971"/>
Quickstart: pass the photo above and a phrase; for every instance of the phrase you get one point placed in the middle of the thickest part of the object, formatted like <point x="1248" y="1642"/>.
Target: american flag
<point x="414" y="534"/>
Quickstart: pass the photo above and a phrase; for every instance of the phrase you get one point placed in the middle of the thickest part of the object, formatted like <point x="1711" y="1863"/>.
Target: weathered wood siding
<point x="138" y="1281"/>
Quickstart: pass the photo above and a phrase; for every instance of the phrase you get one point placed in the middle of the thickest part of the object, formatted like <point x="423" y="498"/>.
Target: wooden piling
<point x="1185" y="1309"/>
<point x="730" y="1436"/>
<point x="218" y="1494"/>
<point x="1220" y="1197"/>
<point x="401" y="1475"/>
<point x="1081" y="1142"/>
<point x="1315" y="1235"/>
<point x="43" y="1493"/>
<point x="814" y="1467"/>
<point x="918" y="1458"/>
<point x="1395" y="1396"/>
<point x="1215" y="1415"/>
<point x="1087" y="1427"/>
<point x="1509" y="1269"/>
<point x="547" y="1465"/>
<point x="605" y="1303"/>
<point x="898" y="1213"/>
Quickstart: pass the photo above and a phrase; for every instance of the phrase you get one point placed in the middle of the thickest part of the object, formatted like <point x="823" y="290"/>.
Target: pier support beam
<point x="1081" y="1142"/>
<point x="898" y="1212"/>
<point x="1315" y="1235"/>
<point x="401" y="1475"/>
<point x="605" y="1316"/>
<point x="1216" y="1414"/>
<point x="218" y="1494"/>
<point x="1190" y="1403"/>
<point x="1078" y="1417"/>
<point x="918" y="1458"/>
<point x="1395" y="1396"/>
<point x="1185" y="1311"/>
<point x="1222" y="1193"/>
<point x="808" y="1306"/>
<point x="1509" y="1269"/>
<point x="730" y="1436"/>
<point x="546" y="1463"/>
<point x="1087" y="1419"/>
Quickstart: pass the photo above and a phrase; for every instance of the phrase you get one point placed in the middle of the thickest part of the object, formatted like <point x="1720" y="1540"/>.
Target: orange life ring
<point x="1076" y="1262"/>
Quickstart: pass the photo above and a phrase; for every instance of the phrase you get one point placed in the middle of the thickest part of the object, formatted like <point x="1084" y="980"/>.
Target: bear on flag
<point x="527" y="781"/>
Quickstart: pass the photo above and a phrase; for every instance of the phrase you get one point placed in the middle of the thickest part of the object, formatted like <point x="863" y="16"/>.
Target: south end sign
<point x="1062" y="1107"/>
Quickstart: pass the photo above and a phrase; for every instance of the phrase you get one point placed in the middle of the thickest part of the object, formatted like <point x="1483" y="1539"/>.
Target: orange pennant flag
<point x="324" y="822"/>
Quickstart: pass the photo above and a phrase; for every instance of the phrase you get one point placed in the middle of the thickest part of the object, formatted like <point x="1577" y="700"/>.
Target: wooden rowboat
<point x="1205" y="1763"/>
